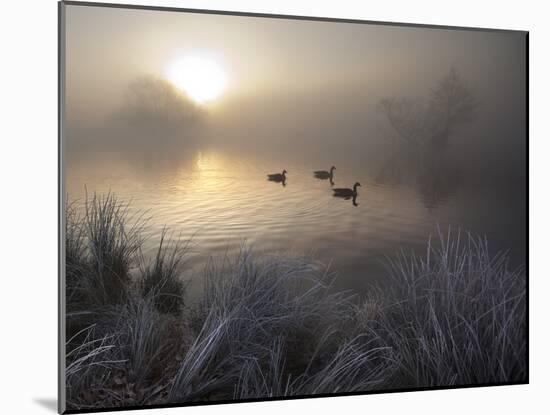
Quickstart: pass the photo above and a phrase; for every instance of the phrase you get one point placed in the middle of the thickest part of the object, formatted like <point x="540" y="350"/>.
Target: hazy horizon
<point x="301" y="96"/>
<point x="267" y="208"/>
<point x="310" y="83"/>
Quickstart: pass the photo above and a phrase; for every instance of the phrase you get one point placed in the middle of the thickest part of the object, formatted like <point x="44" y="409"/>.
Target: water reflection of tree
<point x="437" y="182"/>
<point x="422" y="130"/>
<point x="156" y="125"/>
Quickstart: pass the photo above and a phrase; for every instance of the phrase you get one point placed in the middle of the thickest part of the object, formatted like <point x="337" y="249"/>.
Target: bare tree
<point x="407" y="118"/>
<point x="154" y="99"/>
<point x="450" y="105"/>
<point x="154" y="119"/>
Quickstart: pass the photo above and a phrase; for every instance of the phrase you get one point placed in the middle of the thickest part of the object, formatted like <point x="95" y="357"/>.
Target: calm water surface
<point x="222" y="200"/>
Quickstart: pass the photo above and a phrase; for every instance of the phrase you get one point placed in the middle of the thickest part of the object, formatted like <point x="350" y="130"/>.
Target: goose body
<point x="277" y="177"/>
<point x="323" y="174"/>
<point x="346" y="192"/>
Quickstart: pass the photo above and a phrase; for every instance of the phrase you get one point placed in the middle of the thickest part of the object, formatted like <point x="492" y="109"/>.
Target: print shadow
<point x="49" y="403"/>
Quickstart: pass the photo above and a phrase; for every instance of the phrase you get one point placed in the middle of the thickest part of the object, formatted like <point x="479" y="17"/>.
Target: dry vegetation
<point x="272" y="326"/>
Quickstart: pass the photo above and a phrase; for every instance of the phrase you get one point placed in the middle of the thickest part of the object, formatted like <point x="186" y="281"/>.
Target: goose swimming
<point x="346" y="192"/>
<point x="277" y="177"/>
<point x="323" y="174"/>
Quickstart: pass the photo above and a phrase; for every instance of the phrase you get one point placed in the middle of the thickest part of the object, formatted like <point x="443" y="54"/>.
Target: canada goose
<point x="323" y="174"/>
<point x="347" y="193"/>
<point x="277" y="177"/>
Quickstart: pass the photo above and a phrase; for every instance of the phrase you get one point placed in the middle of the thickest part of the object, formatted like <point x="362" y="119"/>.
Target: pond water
<point x="222" y="200"/>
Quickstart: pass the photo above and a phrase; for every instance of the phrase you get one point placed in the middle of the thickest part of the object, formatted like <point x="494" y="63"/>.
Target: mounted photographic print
<point x="258" y="207"/>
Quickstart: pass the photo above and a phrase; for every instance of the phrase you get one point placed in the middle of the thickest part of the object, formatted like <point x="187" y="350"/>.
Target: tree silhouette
<point x="451" y="104"/>
<point x="154" y="99"/>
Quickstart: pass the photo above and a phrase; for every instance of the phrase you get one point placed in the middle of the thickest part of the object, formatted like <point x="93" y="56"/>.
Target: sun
<point x="201" y="78"/>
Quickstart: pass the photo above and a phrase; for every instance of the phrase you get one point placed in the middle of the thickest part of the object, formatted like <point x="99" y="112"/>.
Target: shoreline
<point x="271" y="326"/>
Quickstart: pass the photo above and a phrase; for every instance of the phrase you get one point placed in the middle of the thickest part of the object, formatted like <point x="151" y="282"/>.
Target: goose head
<point x="356" y="185"/>
<point x="284" y="172"/>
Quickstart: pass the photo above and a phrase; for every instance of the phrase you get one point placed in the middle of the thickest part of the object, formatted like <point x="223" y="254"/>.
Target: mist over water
<point x="222" y="200"/>
<point x="304" y="96"/>
<point x="270" y="207"/>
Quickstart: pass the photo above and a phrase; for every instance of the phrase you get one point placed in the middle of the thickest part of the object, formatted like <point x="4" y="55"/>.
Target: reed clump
<point x="271" y="326"/>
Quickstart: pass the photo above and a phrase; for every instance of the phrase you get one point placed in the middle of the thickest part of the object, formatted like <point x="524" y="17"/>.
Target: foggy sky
<point x="309" y="83"/>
